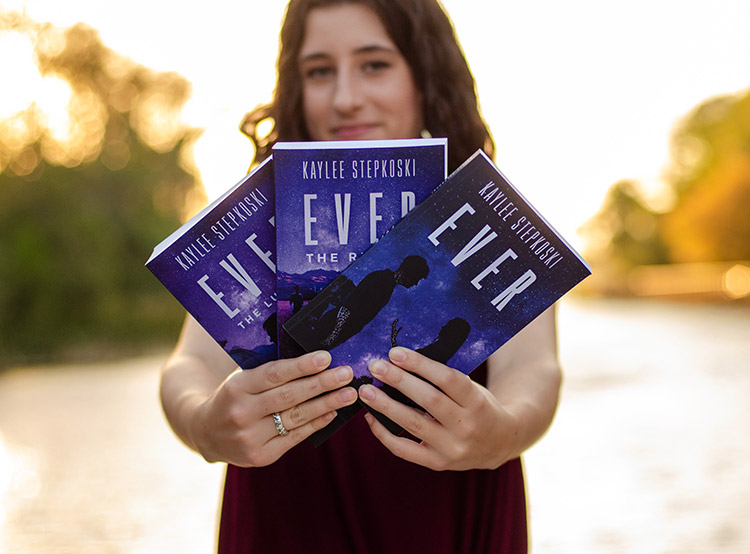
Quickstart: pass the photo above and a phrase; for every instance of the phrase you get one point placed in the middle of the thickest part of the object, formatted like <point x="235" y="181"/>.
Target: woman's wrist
<point x="183" y="405"/>
<point x="516" y="434"/>
<point x="527" y="417"/>
<point x="193" y="415"/>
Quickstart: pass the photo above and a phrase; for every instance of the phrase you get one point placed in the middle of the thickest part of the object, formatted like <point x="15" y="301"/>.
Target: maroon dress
<point x="352" y="496"/>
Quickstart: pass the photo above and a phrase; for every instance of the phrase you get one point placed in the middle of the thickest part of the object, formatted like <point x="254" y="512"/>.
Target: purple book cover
<point x="333" y="201"/>
<point x="459" y="276"/>
<point x="221" y="267"/>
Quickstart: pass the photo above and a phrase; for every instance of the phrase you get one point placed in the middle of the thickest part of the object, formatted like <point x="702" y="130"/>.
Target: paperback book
<point x="455" y="279"/>
<point x="221" y="267"/>
<point x="334" y="200"/>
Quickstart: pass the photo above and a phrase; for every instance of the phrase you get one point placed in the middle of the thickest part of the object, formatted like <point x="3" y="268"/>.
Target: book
<point x="334" y="200"/>
<point x="221" y="267"/>
<point x="455" y="279"/>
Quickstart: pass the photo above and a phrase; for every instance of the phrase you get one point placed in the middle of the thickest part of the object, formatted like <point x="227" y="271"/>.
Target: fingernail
<point x="344" y="374"/>
<point x="367" y="392"/>
<point x="397" y="354"/>
<point x="347" y="395"/>
<point x="322" y="359"/>
<point x="378" y="368"/>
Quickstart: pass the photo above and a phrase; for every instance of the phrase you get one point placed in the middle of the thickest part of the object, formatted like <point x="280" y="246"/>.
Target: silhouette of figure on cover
<point x="450" y="338"/>
<point x="370" y="296"/>
<point x="248" y="359"/>
<point x="296" y="300"/>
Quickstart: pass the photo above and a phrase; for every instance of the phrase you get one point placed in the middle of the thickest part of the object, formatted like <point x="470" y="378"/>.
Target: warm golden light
<point x="736" y="281"/>
<point x="17" y="53"/>
<point x="43" y="108"/>
<point x="54" y="95"/>
<point x="708" y="279"/>
<point x="61" y="110"/>
<point x="579" y="96"/>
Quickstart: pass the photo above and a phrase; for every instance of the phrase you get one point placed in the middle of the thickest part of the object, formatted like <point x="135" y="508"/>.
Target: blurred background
<point x="627" y="125"/>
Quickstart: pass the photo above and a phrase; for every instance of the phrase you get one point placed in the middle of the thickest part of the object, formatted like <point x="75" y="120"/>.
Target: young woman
<point x="368" y="69"/>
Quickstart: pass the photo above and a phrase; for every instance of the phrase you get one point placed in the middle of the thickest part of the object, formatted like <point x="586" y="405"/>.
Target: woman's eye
<point x="376" y="66"/>
<point x="318" y="72"/>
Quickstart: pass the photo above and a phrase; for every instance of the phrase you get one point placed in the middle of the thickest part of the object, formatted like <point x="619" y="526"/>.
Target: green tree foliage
<point x="79" y="216"/>
<point x="709" y="181"/>
<point x="626" y="230"/>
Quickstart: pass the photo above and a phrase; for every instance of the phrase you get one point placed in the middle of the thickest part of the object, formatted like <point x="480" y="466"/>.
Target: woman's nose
<point x="348" y="93"/>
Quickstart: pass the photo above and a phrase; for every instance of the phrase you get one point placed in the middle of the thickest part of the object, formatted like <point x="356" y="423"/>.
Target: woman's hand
<point x="464" y="426"/>
<point x="469" y="426"/>
<point x="235" y="423"/>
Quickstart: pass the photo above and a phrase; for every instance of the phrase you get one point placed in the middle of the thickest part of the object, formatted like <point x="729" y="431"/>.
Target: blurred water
<point x="649" y="453"/>
<point x="88" y="465"/>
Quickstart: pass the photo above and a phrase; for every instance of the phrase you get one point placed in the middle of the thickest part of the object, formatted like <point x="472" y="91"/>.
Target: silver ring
<point x="279" y="424"/>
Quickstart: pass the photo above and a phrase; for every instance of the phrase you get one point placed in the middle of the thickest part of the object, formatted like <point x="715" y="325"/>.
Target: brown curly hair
<point x="424" y="35"/>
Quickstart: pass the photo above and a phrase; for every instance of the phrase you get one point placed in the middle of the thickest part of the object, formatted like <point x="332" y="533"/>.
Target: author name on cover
<point x="385" y="168"/>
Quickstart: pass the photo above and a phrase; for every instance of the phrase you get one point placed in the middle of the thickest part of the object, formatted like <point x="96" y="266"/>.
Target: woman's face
<point x="355" y="82"/>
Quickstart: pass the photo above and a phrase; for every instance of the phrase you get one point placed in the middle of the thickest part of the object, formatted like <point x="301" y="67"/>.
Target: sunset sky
<point x="578" y="94"/>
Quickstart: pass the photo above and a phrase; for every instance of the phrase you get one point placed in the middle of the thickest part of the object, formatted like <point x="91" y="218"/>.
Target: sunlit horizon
<point x="578" y="95"/>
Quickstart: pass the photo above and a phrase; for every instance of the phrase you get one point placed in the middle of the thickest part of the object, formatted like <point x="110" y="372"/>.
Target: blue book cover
<point x="459" y="276"/>
<point x="334" y="200"/>
<point x="221" y="266"/>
